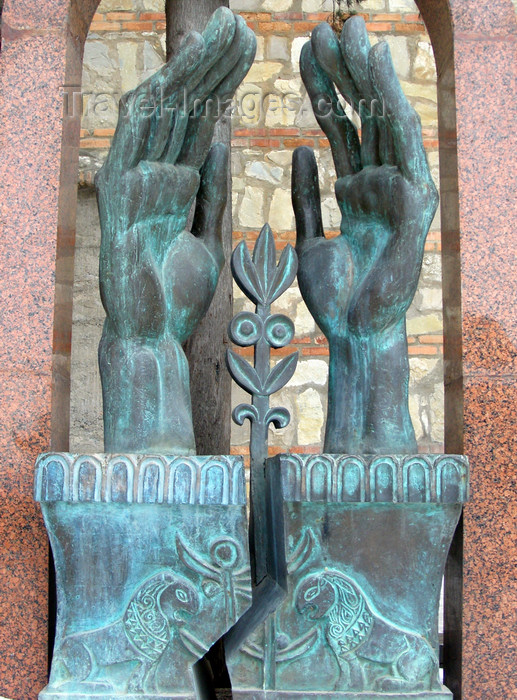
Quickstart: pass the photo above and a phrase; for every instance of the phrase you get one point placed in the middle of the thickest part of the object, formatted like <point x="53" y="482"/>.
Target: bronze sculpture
<point x="157" y="279"/>
<point x="339" y="618"/>
<point x="359" y="285"/>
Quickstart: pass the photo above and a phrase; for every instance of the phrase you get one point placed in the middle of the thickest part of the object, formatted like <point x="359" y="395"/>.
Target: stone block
<point x="310" y="372"/>
<point x="427" y="91"/>
<point x="374" y="6"/>
<point x="281" y="216"/>
<point x="287" y="303"/>
<point x="330" y="213"/>
<point x="424" y="67"/>
<point x="261" y="42"/>
<point x="290" y="86"/>
<point x="116" y="6"/>
<point x="431" y="299"/>
<point x="153" y="59"/>
<point x="261" y="72"/>
<point x="277" y="47"/>
<point x="282" y="158"/>
<point x="276" y="5"/>
<point x="238" y="184"/>
<point x="245" y="5"/>
<point x="317" y="5"/>
<point x="262" y="171"/>
<point x="305" y="118"/>
<point x="421" y="368"/>
<point x="249" y="100"/>
<point x="403" y="6"/>
<point x="304" y="320"/>
<point x="400" y="54"/>
<point x="296" y="49"/>
<point x="424" y="323"/>
<point x="309" y="416"/>
<point x="97" y="57"/>
<point x="281" y="111"/>
<point x="100" y="69"/>
<point x="153" y="5"/>
<point x="127" y="53"/>
<point x="250" y="208"/>
<point x="427" y="414"/>
<point x="431" y="269"/>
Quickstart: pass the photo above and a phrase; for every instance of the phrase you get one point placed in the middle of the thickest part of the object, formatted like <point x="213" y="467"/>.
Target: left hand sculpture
<point x="157" y="279"/>
<point x="359" y="285"/>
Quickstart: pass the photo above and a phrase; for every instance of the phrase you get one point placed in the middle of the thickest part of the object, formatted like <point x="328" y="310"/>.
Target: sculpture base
<point x="237" y="694"/>
<point x="53" y="695"/>
<point x="152" y="567"/>
<point x="366" y="542"/>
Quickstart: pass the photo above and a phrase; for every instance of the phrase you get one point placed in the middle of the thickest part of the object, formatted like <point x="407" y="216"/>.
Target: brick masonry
<point x="272" y="116"/>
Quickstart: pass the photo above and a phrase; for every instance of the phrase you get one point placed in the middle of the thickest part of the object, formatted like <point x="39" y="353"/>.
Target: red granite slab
<point x="41" y="50"/>
<point x="485" y="72"/>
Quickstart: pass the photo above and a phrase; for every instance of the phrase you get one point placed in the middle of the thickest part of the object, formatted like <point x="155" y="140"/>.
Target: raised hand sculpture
<point x="157" y="279"/>
<point x="359" y="285"/>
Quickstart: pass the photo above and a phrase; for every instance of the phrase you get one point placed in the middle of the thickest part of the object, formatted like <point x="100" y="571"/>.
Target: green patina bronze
<point x="366" y="538"/>
<point x="262" y="281"/>
<point x="152" y="567"/>
<point x="157" y="279"/>
<point x="334" y="591"/>
<point x="359" y="285"/>
<point x="151" y="543"/>
<point x="366" y="528"/>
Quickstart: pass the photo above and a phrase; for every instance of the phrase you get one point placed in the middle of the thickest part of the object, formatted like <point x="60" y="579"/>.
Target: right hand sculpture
<point x="157" y="279"/>
<point x="359" y="285"/>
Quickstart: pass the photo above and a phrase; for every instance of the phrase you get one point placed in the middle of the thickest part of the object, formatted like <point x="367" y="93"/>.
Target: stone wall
<point x="271" y="118"/>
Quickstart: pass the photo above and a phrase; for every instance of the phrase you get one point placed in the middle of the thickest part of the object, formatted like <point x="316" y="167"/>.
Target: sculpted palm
<point x="359" y="285"/>
<point x="158" y="279"/>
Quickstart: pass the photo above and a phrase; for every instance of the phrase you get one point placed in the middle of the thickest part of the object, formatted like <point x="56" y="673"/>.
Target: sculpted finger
<point x="329" y="114"/>
<point x="157" y="190"/>
<point x="167" y="117"/>
<point x="142" y="119"/>
<point x="327" y="51"/>
<point x="200" y="129"/>
<point x="220" y="68"/>
<point x="370" y="141"/>
<point x="305" y="192"/>
<point x="227" y="87"/>
<point x="386" y="149"/>
<point x="217" y="37"/>
<point x="404" y="122"/>
<point x="355" y="48"/>
<point x="211" y="201"/>
<point x="218" y="33"/>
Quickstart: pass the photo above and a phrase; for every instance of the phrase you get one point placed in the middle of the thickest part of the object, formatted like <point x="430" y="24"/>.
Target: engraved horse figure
<point x="141" y="635"/>
<point x="373" y="653"/>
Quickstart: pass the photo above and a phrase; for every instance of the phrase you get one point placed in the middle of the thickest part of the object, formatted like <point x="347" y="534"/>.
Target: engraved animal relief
<point x="276" y="646"/>
<point x="373" y="654"/>
<point x="224" y="571"/>
<point x="150" y="623"/>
